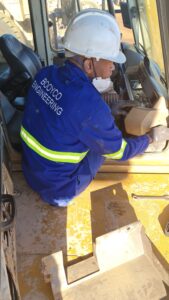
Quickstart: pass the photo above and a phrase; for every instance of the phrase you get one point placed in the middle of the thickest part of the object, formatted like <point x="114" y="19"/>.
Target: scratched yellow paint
<point x="106" y="205"/>
<point x="79" y="242"/>
<point x="148" y="212"/>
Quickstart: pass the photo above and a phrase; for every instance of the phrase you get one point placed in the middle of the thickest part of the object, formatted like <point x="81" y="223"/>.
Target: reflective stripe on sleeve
<point x="119" y="153"/>
<point x="67" y="157"/>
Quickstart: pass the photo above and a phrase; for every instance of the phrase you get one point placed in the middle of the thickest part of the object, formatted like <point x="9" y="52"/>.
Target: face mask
<point x="102" y="85"/>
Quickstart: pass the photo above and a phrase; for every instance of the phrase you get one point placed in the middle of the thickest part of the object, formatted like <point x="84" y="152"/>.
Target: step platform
<point x="122" y="267"/>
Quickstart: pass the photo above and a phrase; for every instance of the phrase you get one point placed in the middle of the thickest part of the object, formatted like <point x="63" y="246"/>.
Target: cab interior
<point x="141" y="91"/>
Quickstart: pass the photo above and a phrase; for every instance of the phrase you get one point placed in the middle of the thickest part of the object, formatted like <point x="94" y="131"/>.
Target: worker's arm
<point x="100" y="133"/>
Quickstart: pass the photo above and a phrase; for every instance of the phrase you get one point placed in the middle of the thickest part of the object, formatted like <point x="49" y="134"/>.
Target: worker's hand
<point x="157" y="138"/>
<point x="159" y="133"/>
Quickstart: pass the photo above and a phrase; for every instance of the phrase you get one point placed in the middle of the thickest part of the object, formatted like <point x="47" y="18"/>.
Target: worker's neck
<point x="78" y="61"/>
<point x="81" y="62"/>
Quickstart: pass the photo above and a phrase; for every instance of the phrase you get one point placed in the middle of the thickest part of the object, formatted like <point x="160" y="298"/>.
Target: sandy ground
<point x="127" y="34"/>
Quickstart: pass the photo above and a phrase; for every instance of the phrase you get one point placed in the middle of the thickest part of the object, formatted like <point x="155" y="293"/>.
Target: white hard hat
<point x="94" y="33"/>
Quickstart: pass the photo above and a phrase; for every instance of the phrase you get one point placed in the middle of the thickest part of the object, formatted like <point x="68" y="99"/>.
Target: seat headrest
<point x="20" y="57"/>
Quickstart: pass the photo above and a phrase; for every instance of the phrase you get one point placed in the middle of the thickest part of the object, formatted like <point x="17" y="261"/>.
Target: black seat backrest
<point x="11" y="119"/>
<point x="19" y="57"/>
<point x="24" y="63"/>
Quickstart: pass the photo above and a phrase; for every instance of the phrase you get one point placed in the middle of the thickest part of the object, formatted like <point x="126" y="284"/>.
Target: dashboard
<point x="146" y="82"/>
<point x="141" y="93"/>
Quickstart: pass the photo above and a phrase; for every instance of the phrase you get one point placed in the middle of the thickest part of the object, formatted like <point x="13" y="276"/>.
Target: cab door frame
<point x="39" y="22"/>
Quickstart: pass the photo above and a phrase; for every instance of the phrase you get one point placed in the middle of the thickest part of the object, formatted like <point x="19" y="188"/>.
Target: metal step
<point x="126" y="270"/>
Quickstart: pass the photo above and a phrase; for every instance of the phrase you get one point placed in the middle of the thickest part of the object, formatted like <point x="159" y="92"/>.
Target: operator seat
<point x="23" y="62"/>
<point x="11" y="119"/>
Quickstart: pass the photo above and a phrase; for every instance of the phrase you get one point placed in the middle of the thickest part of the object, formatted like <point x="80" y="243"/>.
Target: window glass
<point x="61" y="11"/>
<point x="145" y="26"/>
<point x="145" y="23"/>
<point x="150" y="32"/>
<point x="99" y="4"/>
<point x="126" y="33"/>
<point x="15" y="20"/>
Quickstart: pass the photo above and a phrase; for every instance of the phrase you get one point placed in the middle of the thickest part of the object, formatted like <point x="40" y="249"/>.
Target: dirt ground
<point x="127" y="35"/>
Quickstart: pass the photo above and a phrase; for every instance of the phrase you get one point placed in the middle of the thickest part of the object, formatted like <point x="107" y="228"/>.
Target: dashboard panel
<point x="141" y="94"/>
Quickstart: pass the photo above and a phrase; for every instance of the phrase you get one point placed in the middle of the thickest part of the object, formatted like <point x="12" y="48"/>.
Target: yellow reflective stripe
<point x="119" y="153"/>
<point x="69" y="157"/>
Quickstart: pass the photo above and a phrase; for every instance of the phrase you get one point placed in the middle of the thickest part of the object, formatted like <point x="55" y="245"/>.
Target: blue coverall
<point x="67" y="132"/>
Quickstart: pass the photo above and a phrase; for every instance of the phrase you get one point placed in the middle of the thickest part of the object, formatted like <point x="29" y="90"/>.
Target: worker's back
<point x="60" y="102"/>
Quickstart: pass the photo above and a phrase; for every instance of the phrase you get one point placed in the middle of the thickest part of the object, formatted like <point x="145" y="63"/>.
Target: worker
<point x="68" y="130"/>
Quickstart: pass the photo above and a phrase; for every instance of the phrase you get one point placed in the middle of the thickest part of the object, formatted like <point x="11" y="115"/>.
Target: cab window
<point x="15" y="20"/>
<point x="60" y="12"/>
<point x="144" y="24"/>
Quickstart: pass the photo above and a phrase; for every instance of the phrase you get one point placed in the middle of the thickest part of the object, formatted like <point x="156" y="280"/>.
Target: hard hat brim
<point x="120" y="58"/>
<point x="69" y="53"/>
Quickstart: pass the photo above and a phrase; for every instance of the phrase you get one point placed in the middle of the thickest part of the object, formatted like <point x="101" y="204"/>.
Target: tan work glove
<point x="158" y="135"/>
